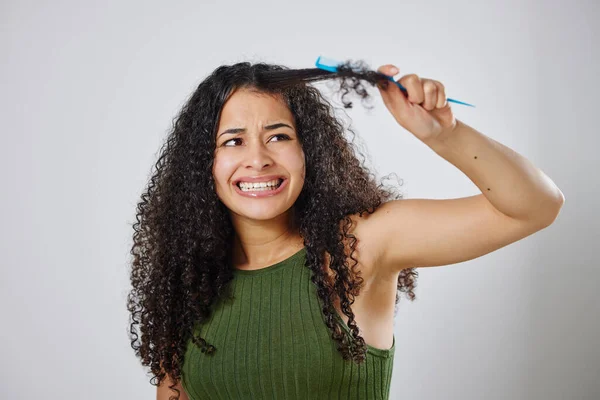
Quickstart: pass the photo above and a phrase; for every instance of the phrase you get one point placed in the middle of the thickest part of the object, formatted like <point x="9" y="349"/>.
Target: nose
<point x="258" y="156"/>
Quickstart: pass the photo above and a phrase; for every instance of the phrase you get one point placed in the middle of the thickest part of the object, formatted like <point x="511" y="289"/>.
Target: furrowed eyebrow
<point x="266" y="127"/>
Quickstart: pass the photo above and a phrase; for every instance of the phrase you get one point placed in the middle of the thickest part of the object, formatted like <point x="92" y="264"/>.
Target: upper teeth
<point x="249" y="185"/>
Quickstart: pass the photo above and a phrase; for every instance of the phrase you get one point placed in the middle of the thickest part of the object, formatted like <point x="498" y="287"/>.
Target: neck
<point x="259" y="244"/>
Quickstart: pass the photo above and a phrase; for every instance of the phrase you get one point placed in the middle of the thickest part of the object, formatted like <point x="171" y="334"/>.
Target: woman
<point x="267" y="260"/>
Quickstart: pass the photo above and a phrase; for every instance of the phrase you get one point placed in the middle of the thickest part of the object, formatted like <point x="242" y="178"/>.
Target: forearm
<point x="510" y="182"/>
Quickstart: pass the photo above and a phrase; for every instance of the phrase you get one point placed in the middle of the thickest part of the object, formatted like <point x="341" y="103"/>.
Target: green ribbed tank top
<point x="272" y="343"/>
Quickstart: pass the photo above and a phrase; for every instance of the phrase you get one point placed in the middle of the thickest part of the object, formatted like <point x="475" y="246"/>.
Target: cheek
<point x="295" y="161"/>
<point x="223" y="168"/>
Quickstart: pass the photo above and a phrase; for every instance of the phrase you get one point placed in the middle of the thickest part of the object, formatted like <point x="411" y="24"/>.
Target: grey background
<point x="88" y="91"/>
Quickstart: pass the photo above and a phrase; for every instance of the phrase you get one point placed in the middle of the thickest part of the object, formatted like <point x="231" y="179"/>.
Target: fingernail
<point x="394" y="70"/>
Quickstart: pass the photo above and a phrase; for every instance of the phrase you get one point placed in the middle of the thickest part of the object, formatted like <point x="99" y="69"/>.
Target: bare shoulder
<point x="164" y="392"/>
<point x="367" y="254"/>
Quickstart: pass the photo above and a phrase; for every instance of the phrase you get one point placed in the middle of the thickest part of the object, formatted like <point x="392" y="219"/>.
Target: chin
<point x="261" y="213"/>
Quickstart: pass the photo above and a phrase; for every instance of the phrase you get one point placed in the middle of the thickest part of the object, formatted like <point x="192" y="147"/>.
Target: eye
<point x="281" y="135"/>
<point x="230" y="140"/>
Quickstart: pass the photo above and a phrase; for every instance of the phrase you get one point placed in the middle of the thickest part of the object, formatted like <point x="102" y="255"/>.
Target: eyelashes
<point x="280" y="136"/>
<point x="230" y="140"/>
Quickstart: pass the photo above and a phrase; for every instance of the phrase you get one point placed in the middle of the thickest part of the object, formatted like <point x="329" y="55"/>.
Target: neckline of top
<point x="271" y="268"/>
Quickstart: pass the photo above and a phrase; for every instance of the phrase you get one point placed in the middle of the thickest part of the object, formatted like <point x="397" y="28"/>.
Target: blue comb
<point x="330" y="65"/>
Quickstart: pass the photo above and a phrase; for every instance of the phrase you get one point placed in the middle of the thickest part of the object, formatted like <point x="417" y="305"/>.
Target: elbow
<point x="552" y="210"/>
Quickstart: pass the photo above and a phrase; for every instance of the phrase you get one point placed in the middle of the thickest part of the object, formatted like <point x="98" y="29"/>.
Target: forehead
<point x="245" y="107"/>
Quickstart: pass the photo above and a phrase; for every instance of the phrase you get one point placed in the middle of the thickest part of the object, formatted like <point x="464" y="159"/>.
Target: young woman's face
<point x="259" y="163"/>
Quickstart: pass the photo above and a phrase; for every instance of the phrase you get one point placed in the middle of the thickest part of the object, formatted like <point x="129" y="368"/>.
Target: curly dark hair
<point x="181" y="263"/>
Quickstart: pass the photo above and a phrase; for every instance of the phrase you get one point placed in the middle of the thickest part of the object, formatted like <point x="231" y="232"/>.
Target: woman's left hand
<point x="424" y="112"/>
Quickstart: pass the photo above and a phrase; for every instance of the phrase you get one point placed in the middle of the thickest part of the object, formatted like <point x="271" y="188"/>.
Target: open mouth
<point x="260" y="187"/>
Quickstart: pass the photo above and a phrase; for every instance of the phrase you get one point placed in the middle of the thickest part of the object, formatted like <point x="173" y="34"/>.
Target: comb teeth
<point x="327" y="64"/>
